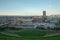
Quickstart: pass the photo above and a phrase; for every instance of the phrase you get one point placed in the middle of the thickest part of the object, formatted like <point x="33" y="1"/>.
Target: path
<point x="10" y="34"/>
<point x="53" y="34"/>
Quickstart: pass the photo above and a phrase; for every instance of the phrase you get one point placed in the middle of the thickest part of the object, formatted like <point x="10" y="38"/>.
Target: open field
<point x="32" y="34"/>
<point x="4" y="37"/>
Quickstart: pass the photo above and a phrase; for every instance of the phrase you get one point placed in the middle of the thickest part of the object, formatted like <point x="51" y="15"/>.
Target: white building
<point x="46" y="25"/>
<point x="25" y="26"/>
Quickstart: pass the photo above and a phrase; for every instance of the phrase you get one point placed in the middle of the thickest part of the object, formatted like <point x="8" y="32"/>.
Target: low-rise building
<point x="47" y="25"/>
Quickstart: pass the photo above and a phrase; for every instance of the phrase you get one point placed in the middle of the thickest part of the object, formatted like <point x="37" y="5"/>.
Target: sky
<point x="29" y="7"/>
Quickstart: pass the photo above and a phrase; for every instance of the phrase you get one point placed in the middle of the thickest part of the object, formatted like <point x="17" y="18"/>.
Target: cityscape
<point x="18" y="26"/>
<point x="29" y="19"/>
<point x="32" y="22"/>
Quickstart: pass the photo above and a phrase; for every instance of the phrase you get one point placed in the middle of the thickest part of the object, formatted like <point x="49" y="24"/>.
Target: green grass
<point x="31" y="32"/>
<point x="4" y="37"/>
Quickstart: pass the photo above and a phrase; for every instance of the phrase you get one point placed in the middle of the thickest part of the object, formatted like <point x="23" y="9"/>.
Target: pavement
<point x="10" y="34"/>
<point x="53" y="34"/>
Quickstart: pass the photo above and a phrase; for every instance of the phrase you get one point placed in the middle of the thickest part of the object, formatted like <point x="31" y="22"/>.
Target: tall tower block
<point x="44" y="15"/>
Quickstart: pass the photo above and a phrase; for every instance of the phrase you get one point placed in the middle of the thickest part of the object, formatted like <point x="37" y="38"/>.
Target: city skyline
<point x="29" y="7"/>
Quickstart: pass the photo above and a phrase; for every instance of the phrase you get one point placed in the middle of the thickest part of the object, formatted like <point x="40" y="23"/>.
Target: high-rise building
<point x="44" y="15"/>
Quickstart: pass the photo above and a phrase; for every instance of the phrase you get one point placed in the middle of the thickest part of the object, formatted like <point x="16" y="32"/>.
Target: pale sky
<point x="29" y="7"/>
